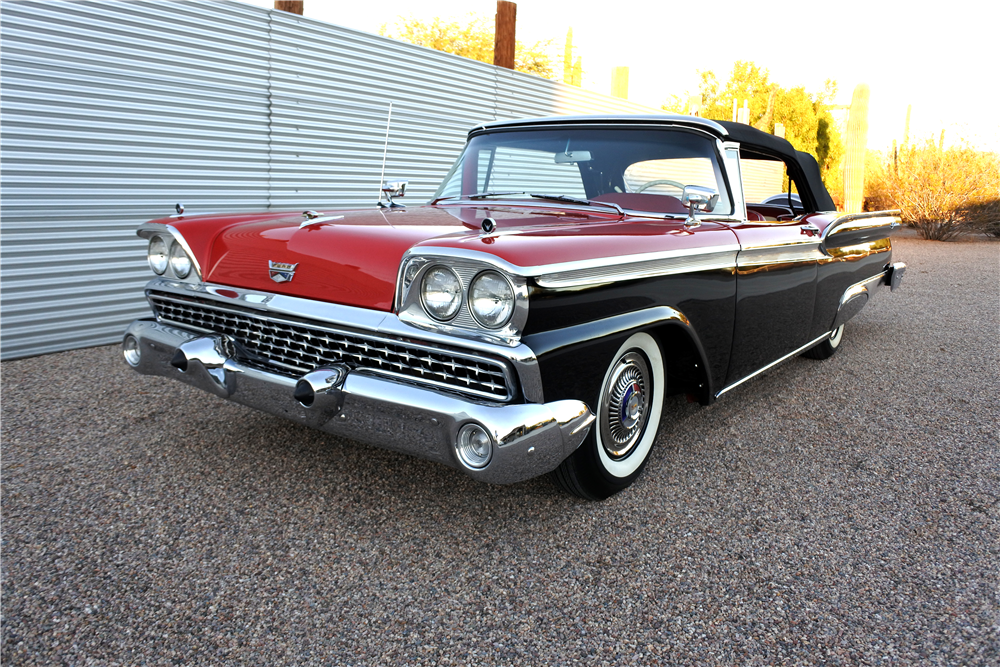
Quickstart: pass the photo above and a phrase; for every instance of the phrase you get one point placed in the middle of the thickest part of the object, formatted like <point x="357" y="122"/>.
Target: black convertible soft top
<point x="753" y="144"/>
<point x="757" y="144"/>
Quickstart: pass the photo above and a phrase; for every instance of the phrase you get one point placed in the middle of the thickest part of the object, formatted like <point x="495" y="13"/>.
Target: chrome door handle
<point x="810" y="229"/>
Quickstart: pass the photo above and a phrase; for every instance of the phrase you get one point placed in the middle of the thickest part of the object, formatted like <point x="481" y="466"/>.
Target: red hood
<point x="354" y="259"/>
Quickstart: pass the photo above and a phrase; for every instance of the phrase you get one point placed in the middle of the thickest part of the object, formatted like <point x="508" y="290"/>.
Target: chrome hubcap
<point x="625" y="405"/>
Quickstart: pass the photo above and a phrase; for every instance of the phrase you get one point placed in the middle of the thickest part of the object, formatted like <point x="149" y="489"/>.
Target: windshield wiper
<point x="584" y="202"/>
<point x="563" y="198"/>
<point x="484" y="195"/>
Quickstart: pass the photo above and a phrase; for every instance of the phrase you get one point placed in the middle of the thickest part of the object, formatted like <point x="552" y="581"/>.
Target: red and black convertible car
<point x="567" y="276"/>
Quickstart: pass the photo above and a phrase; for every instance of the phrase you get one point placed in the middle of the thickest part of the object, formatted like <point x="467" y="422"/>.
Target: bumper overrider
<point x="492" y="441"/>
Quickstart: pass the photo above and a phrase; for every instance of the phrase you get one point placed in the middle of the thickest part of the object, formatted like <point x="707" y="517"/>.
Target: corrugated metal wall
<point x="115" y="111"/>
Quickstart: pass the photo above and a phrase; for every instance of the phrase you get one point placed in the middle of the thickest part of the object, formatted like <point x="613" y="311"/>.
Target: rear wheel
<point x="828" y="346"/>
<point x="628" y="416"/>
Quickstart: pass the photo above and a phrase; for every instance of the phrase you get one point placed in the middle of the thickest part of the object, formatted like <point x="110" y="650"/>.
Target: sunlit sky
<point x="941" y="58"/>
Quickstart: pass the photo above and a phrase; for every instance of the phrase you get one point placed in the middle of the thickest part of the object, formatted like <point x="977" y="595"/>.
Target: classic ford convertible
<point x="567" y="276"/>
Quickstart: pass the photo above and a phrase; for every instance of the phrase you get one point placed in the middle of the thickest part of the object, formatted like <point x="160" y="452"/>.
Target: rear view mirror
<point x="572" y="157"/>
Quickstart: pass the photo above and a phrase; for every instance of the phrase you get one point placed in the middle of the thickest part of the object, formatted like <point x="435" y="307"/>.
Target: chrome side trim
<point x="854" y="222"/>
<point x="602" y="269"/>
<point x="669" y="263"/>
<point x="790" y="253"/>
<point x="774" y="363"/>
<point x="521" y="357"/>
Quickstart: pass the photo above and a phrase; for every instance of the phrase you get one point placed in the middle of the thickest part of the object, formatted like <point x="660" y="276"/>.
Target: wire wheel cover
<point x="625" y="405"/>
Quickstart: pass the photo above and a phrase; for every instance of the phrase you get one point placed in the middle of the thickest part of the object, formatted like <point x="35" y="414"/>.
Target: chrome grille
<point x="293" y="348"/>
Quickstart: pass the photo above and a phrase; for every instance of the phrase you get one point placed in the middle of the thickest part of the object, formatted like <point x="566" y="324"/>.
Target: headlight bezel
<point x="172" y="242"/>
<point x="468" y="266"/>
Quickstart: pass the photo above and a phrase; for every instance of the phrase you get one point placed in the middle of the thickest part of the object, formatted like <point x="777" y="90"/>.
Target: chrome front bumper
<point x="529" y="439"/>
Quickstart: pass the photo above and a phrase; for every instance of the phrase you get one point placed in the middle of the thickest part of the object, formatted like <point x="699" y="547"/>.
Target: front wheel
<point x="628" y="417"/>
<point x="828" y="346"/>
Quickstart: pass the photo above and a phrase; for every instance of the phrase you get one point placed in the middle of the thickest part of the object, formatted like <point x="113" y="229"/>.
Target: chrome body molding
<point x="851" y="302"/>
<point x="774" y="363"/>
<point x="806" y="250"/>
<point x="148" y="231"/>
<point x="529" y="439"/>
<point x="363" y="320"/>
<point x="612" y="269"/>
<point x="601" y="269"/>
<point x="859" y="227"/>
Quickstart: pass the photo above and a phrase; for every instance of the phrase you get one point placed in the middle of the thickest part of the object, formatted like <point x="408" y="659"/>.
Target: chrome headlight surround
<point x="168" y="249"/>
<point x="465" y="322"/>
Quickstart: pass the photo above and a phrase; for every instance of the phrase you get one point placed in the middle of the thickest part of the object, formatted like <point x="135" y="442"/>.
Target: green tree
<point x="472" y="39"/>
<point x="809" y="125"/>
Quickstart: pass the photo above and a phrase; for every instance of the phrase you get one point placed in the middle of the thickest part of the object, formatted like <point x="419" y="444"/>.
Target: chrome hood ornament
<point x="281" y="272"/>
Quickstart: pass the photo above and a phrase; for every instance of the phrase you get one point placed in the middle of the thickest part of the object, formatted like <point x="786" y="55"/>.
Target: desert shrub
<point x="942" y="192"/>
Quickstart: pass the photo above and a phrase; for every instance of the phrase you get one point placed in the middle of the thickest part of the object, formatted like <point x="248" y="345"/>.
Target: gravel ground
<point x="842" y="512"/>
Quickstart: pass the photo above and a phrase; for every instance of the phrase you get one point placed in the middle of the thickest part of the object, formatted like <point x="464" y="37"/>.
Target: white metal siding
<point x="115" y="111"/>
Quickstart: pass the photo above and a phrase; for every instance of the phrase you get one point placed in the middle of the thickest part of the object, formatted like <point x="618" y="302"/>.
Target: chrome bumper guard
<point x="856" y="296"/>
<point x="528" y="439"/>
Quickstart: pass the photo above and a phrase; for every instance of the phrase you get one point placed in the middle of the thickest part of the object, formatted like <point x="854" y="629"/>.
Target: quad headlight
<point x="180" y="263"/>
<point x="157" y="255"/>
<point x="441" y="293"/>
<point x="168" y="257"/>
<point x="470" y="297"/>
<point x="491" y="299"/>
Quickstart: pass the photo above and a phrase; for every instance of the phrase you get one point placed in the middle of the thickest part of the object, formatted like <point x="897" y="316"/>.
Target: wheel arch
<point x="572" y="360"/>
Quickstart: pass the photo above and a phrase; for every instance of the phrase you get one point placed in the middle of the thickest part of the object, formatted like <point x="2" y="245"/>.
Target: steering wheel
<point x="660" y="181"/>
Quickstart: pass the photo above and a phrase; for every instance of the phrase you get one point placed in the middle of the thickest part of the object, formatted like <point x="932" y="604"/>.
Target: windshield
<point x="638" y="169"/>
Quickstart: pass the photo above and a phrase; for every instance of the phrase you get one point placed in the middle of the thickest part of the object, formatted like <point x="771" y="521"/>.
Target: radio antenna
<point x="385" y="150"/>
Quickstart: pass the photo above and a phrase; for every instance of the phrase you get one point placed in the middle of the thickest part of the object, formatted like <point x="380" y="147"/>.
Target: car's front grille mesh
<point x="293" y="348"/>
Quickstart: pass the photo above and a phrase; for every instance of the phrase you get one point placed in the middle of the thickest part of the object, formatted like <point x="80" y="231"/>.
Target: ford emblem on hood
<point x="281" y="272"/>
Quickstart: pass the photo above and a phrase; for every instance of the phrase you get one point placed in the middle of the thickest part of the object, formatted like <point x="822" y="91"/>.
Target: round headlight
<point x="441" y="293"/>
<point x="180" y="263"/>
<point x="157" y="255"/>
<point x="491" y="299"/>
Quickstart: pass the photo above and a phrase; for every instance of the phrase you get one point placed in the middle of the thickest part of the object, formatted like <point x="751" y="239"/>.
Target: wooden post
<point x="619" y="82"/>
<point x="694" y="105"/>
<point x="290" y="6"/>
<point x="503" y="45"/>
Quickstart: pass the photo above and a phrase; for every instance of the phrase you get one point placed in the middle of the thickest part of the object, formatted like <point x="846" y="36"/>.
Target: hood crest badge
<point x="281" y="272"/>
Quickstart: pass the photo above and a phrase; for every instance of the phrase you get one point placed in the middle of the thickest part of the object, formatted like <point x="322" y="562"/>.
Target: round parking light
<point x="474" y="446"/>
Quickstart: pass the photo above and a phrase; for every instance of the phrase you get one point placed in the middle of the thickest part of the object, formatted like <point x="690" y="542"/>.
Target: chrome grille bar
<point x="293" y="348"/>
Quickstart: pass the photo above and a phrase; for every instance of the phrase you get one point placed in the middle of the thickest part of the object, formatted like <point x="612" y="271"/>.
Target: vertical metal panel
<point x="112" y="113"/>
<point x="115" y="111"/>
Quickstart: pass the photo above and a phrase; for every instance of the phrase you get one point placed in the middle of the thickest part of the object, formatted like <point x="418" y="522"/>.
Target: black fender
<point x="574" y="359"/>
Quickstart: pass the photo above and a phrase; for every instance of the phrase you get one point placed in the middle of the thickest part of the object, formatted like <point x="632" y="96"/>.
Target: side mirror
<point x="393" y="189"/>
<point x="698" y="198"/>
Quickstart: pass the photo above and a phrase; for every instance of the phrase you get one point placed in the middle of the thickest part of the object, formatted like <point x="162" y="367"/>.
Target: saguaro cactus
<point x="854" y="153"/>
